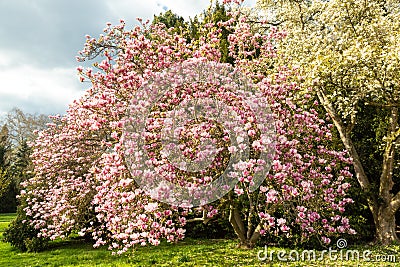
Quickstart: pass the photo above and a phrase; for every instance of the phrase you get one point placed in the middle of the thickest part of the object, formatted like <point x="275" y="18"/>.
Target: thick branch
<point x="250" y="216"/>
<point x="203" y="219"/>
<point x="256" y="235"/>
<point x="347" y="142"/>
<point x="386" y="182"/>
<point x="395" y="203"/>
<point x="390" y="105"/>
<point x="349" y="17"/>
<point x="277" y="23"/>
<point x="237" y="224"/>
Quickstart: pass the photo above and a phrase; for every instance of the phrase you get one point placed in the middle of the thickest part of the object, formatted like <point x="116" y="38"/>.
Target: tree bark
<point x="385" y="220"/>
<point x="386" y="226"/>
<point x="247" y="237"/>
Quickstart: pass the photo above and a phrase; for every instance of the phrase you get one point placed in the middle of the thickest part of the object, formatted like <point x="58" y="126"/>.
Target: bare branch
<point x="203" y="219"/>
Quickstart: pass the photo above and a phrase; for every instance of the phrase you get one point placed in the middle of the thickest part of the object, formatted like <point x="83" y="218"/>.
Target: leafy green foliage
<point x="367" y="136"/>
<point x="23" y="236"/>
<point x="15" y="162"/>
<point x="19" y="170"/>
<point x="171" y="20"/>
<point x="215" y="14"/>
<point x="22" y="165"/>
<point x="219" y="228"/>
<point x="4" y="182"/>
<point x="5" y="152"/>
<point x="7" y="185"/>
<point x="195" y="28"/>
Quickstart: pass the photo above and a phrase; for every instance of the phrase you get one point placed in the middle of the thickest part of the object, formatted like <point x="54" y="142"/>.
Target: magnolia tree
<point x="167" y="131"/>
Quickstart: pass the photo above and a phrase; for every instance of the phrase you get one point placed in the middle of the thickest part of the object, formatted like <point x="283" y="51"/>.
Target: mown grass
<point x="5" y="220"/>
<point x="190" y="252"/>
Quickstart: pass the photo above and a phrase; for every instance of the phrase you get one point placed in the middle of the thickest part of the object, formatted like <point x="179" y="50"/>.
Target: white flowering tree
<point x="348" y="51"/>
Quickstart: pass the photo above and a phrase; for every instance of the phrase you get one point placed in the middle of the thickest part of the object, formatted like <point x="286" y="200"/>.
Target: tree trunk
<point x="386" y="226"/>
<point x="386" y="220"/>
<point x="247" y="240"/>
<point x="383" y="213"/>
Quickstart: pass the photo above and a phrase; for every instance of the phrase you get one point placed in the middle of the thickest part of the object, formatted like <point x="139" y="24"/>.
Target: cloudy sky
<point x="39" y="40"/>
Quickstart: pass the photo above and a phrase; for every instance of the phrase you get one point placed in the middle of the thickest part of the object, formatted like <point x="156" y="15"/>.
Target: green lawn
<point x="190" y="252"/>
<point x="4" y="220"/>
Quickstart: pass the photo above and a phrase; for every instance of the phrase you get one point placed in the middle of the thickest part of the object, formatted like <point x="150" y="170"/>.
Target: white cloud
<point x="130" y="10"/>
<point x="10" y="58"/>
<point x="185" y="8"/>
<point x="190" y="8"/>
<point x="38" y="90"/>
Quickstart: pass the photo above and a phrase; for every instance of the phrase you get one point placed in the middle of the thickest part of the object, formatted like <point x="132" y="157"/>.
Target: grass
<point x="190" y="252"/>
<point x="4" y="221"/>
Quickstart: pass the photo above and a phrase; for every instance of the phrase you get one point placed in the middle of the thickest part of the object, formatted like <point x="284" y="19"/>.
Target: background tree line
<point x="17" y="130"/>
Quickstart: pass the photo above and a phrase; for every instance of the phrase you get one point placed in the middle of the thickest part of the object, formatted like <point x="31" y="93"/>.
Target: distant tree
<point x="15" y="164"/>
<point x="194" y="28"/>
<point x="4" y="182"/>
<point x="22" y="164"/>
<point x="5" y="147"/>
<point x="5" y="157"/>
<point x="170" y="20"/>
<point x="23" y="126"/>
<point x="215" y="14"/>
<point x="200" y="26"/>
